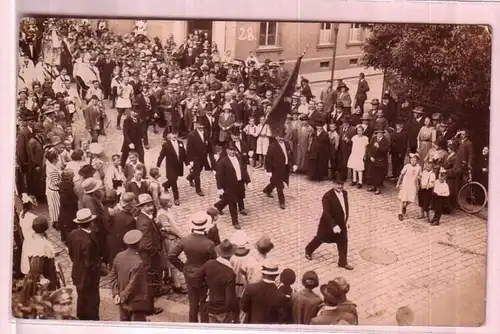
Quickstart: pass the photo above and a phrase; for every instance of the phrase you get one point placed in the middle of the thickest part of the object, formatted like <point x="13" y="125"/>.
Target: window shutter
<point x="279" y="35"/>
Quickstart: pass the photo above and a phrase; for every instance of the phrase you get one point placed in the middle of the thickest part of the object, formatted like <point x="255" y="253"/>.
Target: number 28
<point x="246" y="34"/>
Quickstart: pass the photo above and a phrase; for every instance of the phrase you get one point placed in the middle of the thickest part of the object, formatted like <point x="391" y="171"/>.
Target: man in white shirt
<point x="332" y="227"/>
<point x="231" y="176"/>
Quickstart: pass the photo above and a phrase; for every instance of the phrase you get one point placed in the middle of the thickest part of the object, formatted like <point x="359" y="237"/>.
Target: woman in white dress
<point x="26" y="218"/>
<point x="356" y="160"/>
<point x="53" y="172"/>
<point x="125" y="94"/>
<point x="408" y="184"/>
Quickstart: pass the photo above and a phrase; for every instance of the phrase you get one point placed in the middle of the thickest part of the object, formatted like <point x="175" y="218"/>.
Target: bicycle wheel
<point x="472" y="197"/>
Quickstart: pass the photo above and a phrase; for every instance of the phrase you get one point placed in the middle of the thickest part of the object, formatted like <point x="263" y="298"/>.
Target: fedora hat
<point x="270" y="267"/>
<point x="331" y="292"/>
<point x="144" y="199"/>
<point x="366" y="117"/>
<point x="240" y="239"/>
<point x="132" y="237"/>
<point x="84" y="216"/>
<point x="226" y="249"/>
<point x="264" y="244"/>
<point x="375" y="102"/>
<point x="86" y="171"/>
<point x="342" y="282"/>
<point x="418" y="110"/>
<point x="199" y="221"/>
<point x="90" y="185"/>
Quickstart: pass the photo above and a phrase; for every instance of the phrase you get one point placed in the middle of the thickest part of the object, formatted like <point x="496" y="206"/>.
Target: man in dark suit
<point x="106" y="66"/>
<point x="129" y="284"/>
<point x="83" y="251"/>
<point x="377" y="151"/>
<point x="31" y="47"/>
<point x="361" y="96"/>
<point x="232" y="177"/>
<point x="444" y="132"/>
<point x="329" y="97"/>
<point x="150" y="248"/>
<point x="389" y="107"/>
<point x="174" y="153"/>
<point x="132" y="137"/>
<point x="332" y="227"/>
<point x="199" y="154"/>
<point x="120" y="222"/>
<point x="318" y="157"/>
<point x="399" y="146"/>
<point x="220" y="279"/>
<point x="145" y="111"/>
<point x="23" y="138"/>
<point x="198" y="250"/>
<point x="262" y="302"/>
<point x="278" y="161"/>
<point x="414" y="128"/>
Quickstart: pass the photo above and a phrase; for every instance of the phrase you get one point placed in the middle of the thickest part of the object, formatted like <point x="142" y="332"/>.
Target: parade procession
<point x="142" y="165"/>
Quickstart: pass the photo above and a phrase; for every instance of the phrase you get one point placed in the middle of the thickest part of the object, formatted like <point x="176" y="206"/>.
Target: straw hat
<point x="84" y="216"/>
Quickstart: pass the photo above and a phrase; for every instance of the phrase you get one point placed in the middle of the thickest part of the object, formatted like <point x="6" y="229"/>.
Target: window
<point x="355" y="33"/>
<point x="268" y="34"/>
<point x="324" y="64"/>
<point x="325" y="33"/>
<point x="353" y="61"/>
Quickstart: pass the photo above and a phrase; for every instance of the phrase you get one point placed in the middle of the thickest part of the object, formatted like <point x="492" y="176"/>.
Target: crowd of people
<point x="116" y="217"/>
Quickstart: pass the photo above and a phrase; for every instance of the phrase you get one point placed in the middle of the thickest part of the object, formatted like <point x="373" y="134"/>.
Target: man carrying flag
<point x="279" y="155"/>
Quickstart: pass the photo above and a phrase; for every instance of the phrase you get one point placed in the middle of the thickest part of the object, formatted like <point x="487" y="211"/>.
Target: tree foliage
<point x="444" y="66"/>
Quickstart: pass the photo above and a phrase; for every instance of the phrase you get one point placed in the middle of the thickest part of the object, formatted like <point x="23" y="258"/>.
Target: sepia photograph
<point x="246" y="172"/>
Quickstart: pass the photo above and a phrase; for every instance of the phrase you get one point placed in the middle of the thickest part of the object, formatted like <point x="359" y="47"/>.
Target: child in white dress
<point x="262" y="141"/>
<point x="408" y="184"/>
<point x="356" y="159"/>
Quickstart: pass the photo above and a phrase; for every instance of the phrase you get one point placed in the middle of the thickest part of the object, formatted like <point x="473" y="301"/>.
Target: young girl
<point x="441" y="194"/>
<point x="355" y="162"/>
<point x="251" y="133"/>
<point x="408" y="184"/>
<point x="262" y="141"/>
<point x="425" y="192"/>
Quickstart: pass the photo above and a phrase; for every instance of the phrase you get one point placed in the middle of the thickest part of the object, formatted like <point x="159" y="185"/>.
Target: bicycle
<point x="472" y="196"/>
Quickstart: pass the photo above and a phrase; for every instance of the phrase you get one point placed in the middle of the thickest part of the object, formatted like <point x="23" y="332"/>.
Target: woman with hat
<point x="41" y="255"/>
<point x="262" y="302"/>
<point x="226" y="121"/>
<point x="337" y="308"/>
<point x="53" y="179"/>
<point x="344" y="97"/>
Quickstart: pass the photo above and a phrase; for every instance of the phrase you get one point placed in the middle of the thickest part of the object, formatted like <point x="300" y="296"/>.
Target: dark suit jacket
<point x="378" y="153"/>
<point x="413" y="130"/>
<point x="174" y="164"/>
<point x="128" y="280"/>
<point x="105" y="69"/>
<point x="151" y="243"/>
<point x="221" y="282"/>
<point x="275" y="162"/>
<point x="264" y="303"/>
<point x="198" y="149"/>
<point x="120" y="223"/>
<point x="465" y="153"/>
<point x="305" y="306"/>
<point x="83" y="252"/>
<point x="332" y="216"/>
<point x="198" y="250"/>
<point x="33" y="55"/>
<point x="132" y="133"/>
<point x="91" y="202"/>
<point x="35" y="153"/>
<point x="363" y="88"/>
<point x="23" y="138"/>
<point x="142" y="107"/>
<point x="399" y="142"/>
<point x="227" y="180"/>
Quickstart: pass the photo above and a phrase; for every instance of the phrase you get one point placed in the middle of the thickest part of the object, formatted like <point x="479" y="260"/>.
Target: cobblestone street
<point x="430" y="269"/>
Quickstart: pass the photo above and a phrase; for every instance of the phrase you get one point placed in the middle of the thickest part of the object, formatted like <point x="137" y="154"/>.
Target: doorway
<point x="203" y="26"/>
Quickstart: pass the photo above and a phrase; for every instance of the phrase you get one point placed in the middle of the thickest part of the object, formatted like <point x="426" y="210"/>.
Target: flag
<point x="281" y="108"/>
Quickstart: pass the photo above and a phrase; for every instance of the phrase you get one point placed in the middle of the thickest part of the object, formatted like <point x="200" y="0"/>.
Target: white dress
<point x="408" y="191"/>
<point x="123" y="100"/>
<point x="358" y="152"/>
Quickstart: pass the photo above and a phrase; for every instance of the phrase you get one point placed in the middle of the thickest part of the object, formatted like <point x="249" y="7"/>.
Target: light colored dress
<point x="426" y="136"/>
<point x="409" y="184"/>
<point x="358" y="152"/>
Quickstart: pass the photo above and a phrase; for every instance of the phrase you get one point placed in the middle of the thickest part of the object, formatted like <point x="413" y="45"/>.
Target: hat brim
<point x="132" y="241"/>
<point x="269" y="272"/>
<point x="144" y="203"/>
<point x="97" y="186"/>
<point x="88" y="220"/>
<point x="327" y="296"/>
<point x="226" y="253"/>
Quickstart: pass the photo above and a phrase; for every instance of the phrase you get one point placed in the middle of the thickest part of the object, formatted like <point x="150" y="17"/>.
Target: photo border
<point x="229" y="10"/>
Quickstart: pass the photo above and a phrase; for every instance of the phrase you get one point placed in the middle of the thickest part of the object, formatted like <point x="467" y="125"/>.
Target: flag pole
<point x="301" y="55"/>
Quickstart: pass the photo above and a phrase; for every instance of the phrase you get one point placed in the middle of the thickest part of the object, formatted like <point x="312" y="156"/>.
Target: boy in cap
<point x="128" y="279"/>
<point x="306" y="303"/>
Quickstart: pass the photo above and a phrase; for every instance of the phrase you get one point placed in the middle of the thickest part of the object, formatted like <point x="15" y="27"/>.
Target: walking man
<point x="333" y="226"/>
<point x="129" y="280"/>
<point x="132" y="137"/>
<point x="83" y="251"/>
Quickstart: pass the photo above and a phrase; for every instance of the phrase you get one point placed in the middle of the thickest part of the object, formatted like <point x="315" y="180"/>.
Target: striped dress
<point x="52" y="190"/>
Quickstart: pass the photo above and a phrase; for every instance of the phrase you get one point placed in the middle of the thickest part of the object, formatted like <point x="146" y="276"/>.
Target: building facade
<point x="273" y="40"/>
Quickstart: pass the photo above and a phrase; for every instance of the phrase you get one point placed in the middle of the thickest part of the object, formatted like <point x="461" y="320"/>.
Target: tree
<point x="446" y="67"/>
